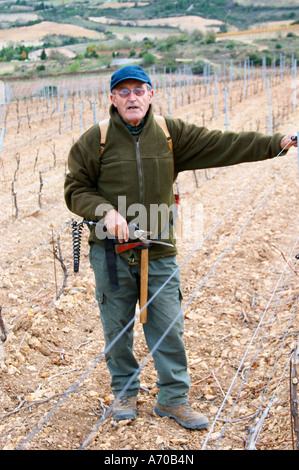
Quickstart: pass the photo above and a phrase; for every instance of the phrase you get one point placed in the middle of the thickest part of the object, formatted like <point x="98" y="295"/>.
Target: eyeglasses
<point x="125" y="92"/>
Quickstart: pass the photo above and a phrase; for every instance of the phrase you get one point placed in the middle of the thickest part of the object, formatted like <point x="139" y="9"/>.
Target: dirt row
<point x="240" y="286"/>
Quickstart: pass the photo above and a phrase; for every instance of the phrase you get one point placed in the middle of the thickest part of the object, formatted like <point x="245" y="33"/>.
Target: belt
<point x="113" y="247"/>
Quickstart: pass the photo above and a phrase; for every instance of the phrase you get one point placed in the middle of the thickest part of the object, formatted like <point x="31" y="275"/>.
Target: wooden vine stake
<point x="294" y="374"/>
<point x="3" y="338"/>
<point x="143" y="285"/>
<point x="256" y="429"/>
<point x="57" y="253"/>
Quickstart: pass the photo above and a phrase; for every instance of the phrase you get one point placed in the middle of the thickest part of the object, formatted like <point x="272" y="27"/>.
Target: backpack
<point x="109" y="246"/>
<point x="162" y="123"/>
<point x="77" y="228"/>
<point x="159" y="119"/>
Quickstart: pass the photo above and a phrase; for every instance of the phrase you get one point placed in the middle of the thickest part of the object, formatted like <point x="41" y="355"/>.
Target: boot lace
<point x="188" y="408"/>
<point x="124" y="401"/>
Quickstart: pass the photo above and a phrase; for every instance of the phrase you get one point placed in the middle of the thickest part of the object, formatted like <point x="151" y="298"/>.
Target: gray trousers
<point x="117" y="308"/>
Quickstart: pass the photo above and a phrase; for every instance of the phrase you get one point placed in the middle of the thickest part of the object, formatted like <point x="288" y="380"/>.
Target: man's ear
<point x="151" y="96"/>
<point x="113" y="100"/>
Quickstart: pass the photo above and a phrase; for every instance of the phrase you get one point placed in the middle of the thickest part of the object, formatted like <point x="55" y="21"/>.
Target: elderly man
<point x="135" y="171"/>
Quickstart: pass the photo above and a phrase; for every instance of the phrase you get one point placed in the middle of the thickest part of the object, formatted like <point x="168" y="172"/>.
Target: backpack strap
<point x="159" y="119"/>
<point x="162" y="123"/>
<point x="103" y="128"/>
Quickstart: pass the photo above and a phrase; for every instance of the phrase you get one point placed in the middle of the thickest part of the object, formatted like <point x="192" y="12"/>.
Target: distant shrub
<point x="91" y="51"/>
<point x="230" y="45"/>
<point x="210" y="38"/>
<point x="75" y="66"/>
<point x="196" y="36"/>
<point x="148" y="58"/>
<point x="43" y="55"/>
<point x="171" y="66"/>
<point x="198" y="67"/>
<point x="257" y="59"/>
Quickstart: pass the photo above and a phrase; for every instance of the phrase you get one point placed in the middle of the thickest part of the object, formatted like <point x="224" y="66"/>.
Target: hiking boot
<point x="184" y="415"/>
<point x="125" y="408"/>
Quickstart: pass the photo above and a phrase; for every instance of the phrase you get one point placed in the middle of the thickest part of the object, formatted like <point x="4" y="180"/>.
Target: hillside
<point x="81" y="38"/>
<point x="240" y="13"/>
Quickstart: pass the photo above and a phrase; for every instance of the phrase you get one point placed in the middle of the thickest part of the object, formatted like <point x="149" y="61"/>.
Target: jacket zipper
<point x="140" y="174"/>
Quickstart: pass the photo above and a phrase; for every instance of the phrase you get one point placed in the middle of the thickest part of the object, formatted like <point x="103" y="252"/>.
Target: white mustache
<point x="132" y="106"/>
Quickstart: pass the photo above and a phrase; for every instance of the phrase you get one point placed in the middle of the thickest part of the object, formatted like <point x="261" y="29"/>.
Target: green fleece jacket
<point x="143" y="171"/>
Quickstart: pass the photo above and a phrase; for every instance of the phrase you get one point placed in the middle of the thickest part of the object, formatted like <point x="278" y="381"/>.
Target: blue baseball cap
<point x="133" y="72"/>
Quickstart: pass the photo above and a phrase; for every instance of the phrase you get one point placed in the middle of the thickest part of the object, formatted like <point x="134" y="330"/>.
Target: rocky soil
<point x="239" y="281"/>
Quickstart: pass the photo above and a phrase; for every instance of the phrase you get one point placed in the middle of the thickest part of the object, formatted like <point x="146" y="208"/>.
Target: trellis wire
<point x="269" y="107"/>
<point x="243" y="359"/>
<point x="294" y="372"/>
<point x="216" y="95"/>
<point x="74" y="387"/>
<point x="27" y="253"/>
<point x="257" y="429"/>
<point x="70" y="89"/>
<point x="295" y="84"/>
<point x="87" y="440"/>
<point x="80" y="129"/>
<point x="249" y="440"/>
<point x="245" y="80"/>
<point x="245" y="354"/>
<point x="92" y="434"/>
<point x="80" y="124"/>
<point x="2" y="138"/>
<point x="91" y="88"/>
<point x="226" y="110"/>
<point x="211" y="231"/>
<point x="96" y="118"/>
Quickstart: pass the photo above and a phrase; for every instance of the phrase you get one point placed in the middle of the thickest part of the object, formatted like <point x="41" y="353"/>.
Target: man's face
<point x="132" y="107"/>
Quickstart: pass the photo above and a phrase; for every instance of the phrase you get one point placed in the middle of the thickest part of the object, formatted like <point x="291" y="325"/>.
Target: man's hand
<point x="117" y="225"/>
<point x="289" y="140"/>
